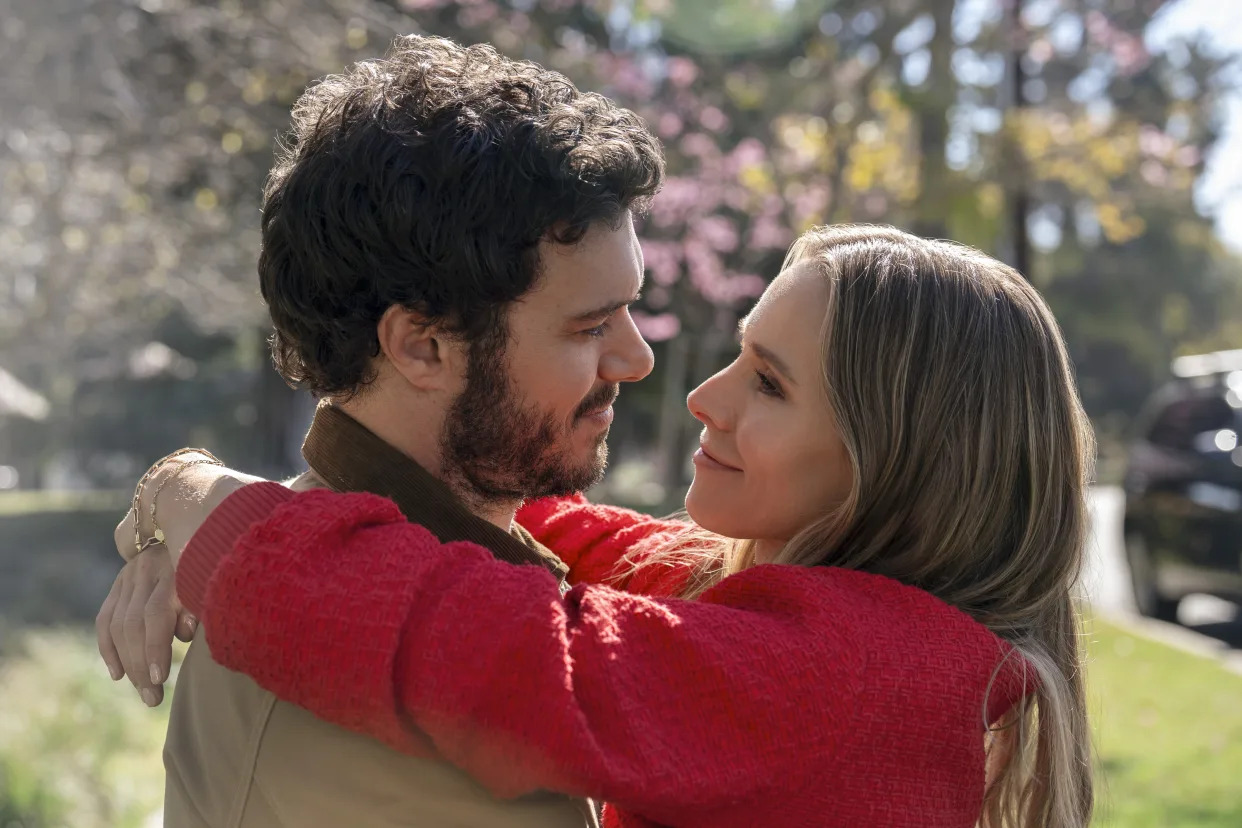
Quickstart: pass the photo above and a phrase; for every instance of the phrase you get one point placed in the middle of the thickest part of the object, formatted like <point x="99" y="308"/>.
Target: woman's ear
<point x="419" y="350"/>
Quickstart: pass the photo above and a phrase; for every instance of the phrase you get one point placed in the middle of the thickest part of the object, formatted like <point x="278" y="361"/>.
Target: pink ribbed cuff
<point x="218" y="534"/>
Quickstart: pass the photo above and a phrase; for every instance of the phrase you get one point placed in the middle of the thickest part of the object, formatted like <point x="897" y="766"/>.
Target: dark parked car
<point x="1183" y="518"/>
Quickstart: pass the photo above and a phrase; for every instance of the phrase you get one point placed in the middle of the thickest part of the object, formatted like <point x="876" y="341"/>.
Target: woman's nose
<point x="708" y="403"/>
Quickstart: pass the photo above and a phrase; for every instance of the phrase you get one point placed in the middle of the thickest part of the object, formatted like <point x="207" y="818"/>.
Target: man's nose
<point x="631" y="359"/>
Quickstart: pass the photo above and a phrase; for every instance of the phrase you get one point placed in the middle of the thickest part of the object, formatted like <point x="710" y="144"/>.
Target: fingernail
<point x="191" y="622"/>
<point x="148" y="696"/>
<point x="155" y="674"/>
<point x="115" y="672"/>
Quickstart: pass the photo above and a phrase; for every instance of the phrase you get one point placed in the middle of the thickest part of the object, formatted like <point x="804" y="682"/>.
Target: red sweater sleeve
<point x="591" y="538"/>
<point x="663" y="707"/>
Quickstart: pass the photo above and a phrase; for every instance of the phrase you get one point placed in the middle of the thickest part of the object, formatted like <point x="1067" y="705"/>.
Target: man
<point x="448" y="259"/>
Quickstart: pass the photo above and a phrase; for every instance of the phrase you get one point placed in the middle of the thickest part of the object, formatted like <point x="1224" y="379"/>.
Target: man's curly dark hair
<point x="427" y="179"/>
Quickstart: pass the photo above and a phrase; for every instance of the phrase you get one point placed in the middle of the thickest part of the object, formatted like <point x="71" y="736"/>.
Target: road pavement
<point x="1208" y="625"/>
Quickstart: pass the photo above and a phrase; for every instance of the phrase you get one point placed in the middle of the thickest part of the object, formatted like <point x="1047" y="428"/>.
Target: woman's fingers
<point x="187" y="625"/>
<point x="137" y="611"/>
<point x="141" y="615"/>
<point x="120" y="612"/>
<point x="103" y="630"/>
<point x="161" y="621"/>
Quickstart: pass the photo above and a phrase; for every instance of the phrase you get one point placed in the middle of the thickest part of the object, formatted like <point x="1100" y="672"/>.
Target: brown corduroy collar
<point x="348" y="457"/>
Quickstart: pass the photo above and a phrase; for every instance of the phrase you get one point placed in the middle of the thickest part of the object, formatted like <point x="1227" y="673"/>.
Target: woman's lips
<point x="704" y="459"/>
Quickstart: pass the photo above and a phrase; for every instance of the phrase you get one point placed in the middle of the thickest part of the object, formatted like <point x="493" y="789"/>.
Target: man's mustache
<point x="598" y="400"/>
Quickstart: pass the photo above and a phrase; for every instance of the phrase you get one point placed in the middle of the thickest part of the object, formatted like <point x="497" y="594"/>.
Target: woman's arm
<point x="137" y="620"/>
<point x="338" y="604"/>
<point x="592" y="539"/>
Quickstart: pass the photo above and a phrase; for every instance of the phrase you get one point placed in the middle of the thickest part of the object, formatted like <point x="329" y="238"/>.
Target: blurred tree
<point x="137" y="132"/>
<point x="133" y="147"/>
<point x="1113" y="146"/>
<point x="1045" y="132"/>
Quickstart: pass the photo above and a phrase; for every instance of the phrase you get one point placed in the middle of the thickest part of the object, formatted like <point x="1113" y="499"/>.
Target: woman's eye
<point x="767" y="386"/>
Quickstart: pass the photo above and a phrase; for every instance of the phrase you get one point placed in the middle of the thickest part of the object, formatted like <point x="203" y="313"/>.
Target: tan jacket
<point x="238" y="757"/>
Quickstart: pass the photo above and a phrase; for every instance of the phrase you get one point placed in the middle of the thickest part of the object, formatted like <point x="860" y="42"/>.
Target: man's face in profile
<point x="535" y="412"/>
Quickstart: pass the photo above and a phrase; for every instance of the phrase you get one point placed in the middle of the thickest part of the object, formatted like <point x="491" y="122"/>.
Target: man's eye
<point x="598" y="330"/>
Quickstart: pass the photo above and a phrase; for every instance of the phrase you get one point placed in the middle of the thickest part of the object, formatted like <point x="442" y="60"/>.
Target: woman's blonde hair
<point x="970" y="453"/>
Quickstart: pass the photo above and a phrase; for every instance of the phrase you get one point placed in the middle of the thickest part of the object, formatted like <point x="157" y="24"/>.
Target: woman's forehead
<point x="797" y="292"/>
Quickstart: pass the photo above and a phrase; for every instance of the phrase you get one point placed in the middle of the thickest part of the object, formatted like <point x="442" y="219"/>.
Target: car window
<point x="1183" y="420"/>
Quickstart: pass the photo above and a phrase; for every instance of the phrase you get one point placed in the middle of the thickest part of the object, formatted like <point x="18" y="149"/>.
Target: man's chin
<point x="586" y="439"/>
<point x="591" y="428"/>
<point x="585" y="474"/>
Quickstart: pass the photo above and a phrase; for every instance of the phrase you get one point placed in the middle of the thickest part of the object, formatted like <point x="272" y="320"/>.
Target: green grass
<point x="76" y="749"/>
<point x="1168" y="729"/>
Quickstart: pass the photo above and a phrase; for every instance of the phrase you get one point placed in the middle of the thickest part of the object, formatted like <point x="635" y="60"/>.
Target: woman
<point x="872" y="625"/>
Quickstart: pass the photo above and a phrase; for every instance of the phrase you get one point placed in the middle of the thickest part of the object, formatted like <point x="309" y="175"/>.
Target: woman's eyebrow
<point x="767" y="355"/>
<point x="764" y="353"/>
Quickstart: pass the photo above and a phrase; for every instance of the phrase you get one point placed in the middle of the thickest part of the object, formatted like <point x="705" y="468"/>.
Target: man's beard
<point x="497" y="449"/>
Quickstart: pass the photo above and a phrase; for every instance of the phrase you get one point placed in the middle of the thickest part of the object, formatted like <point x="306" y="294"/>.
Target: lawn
<point x="75" y="749"/>
<point x="1169" y="733"/>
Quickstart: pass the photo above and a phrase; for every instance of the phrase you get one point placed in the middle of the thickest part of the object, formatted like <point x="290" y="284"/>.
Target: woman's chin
<point x="713" y="517"/>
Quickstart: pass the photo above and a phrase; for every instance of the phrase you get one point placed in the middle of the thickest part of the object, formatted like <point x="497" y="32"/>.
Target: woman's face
<point x="771" y="459"/>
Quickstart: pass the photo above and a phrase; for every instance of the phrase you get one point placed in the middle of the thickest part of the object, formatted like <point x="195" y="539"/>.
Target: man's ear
<point x="418" y="350"/>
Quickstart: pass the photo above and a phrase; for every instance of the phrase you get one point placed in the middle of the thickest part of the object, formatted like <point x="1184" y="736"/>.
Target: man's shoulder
<point x="552" y="561"/>
<point x="306" y="481"/>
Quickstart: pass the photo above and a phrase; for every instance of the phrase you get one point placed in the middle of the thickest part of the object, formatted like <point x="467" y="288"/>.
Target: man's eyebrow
<point x="603" y="310"/>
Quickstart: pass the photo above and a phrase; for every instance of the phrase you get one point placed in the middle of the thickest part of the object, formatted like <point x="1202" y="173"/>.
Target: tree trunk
<point x="933" y="117"/>
<point x="1019" y="195"/>
<point x="669" y="442"/>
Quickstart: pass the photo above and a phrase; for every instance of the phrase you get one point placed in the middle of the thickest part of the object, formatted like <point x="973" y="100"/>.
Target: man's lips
<point x="603" y="415"/>
<point x="595" y="412"/>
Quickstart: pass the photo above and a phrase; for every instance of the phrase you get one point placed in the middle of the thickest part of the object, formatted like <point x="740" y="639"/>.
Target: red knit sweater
<point x="784" y="696"/>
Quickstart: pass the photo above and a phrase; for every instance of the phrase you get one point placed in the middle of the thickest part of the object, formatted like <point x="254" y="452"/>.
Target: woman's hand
<point x="139" y="618"/>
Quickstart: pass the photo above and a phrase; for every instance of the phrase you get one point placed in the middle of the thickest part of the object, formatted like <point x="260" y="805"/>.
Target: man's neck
<point x="415" y="432"/>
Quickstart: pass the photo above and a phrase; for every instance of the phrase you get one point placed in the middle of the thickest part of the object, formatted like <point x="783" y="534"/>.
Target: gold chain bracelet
<point x="158" y="537"/>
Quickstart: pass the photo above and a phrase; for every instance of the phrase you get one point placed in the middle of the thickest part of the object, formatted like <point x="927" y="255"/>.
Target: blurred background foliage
<point x="136" y="135"/>
<point x="85" y="755"/>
